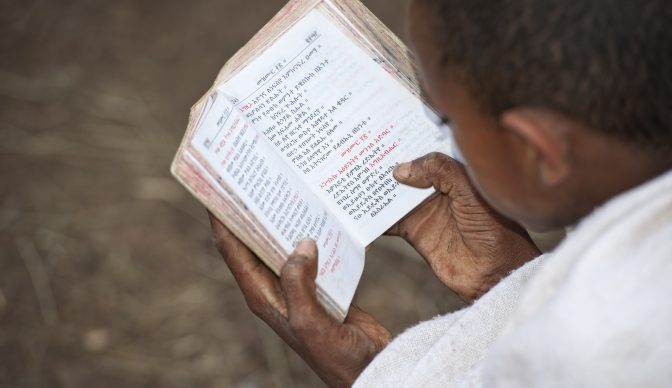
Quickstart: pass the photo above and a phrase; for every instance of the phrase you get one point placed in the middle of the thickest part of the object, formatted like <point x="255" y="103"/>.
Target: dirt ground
<point x="108" y="277"/>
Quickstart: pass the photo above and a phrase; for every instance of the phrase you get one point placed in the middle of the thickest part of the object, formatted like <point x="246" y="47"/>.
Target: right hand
<point x="337" y="352"/>
<point x="468" y="245"/>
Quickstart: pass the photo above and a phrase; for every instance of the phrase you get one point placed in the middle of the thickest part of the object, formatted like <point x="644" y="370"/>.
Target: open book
<point x="300" y="133"/>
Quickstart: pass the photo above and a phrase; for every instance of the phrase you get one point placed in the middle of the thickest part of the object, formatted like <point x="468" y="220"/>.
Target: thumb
<point x="434" y="169"/>
<point x="297" y="279"/>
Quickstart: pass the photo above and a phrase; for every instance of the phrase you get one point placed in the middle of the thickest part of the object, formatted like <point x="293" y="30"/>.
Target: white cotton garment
<point x="594" y="313"/>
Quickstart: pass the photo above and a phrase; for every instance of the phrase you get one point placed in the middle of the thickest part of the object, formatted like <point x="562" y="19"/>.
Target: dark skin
<point x="530" y="164"/>
<point x="337" y="352"/>
<point x="467" y="244"/>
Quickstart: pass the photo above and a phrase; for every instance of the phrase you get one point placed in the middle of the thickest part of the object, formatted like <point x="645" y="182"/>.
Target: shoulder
<point x="607" y="323"/>
<point x="445" y="350"/>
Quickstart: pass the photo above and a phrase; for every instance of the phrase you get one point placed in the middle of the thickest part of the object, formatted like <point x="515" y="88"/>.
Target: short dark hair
<point x="607" y="63"/>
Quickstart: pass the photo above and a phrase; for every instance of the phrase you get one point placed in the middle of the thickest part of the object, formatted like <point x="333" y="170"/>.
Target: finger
<point x="226" y="242"/>
<point x="434" y="169"/>
<point x="306" y="316"/>
<point x="259" y="285"/>
<point x="395" y="230"/>
<point x="412" y="217"/>
<point x="369" y="325"/>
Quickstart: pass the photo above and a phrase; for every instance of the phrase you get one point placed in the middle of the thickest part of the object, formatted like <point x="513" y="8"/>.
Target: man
<point x="562" y="111"/>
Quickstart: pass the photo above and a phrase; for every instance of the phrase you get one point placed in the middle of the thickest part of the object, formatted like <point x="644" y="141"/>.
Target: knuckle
<point x="435" y="162"/>
<point x="258" y="308"/>
<point x="439" y="169"/>
<point x="293" y="268"/>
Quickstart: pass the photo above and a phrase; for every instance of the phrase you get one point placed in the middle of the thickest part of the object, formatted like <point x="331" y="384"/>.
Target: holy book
<point x="298" y="137"/>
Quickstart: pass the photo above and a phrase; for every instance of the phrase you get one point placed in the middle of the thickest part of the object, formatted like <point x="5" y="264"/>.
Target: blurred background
<point x="108" y="277"/>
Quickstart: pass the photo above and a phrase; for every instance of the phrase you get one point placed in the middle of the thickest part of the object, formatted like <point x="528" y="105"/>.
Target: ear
<point x="545" y="140"/>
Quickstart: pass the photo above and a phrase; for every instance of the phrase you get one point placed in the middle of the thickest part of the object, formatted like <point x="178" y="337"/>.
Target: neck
<point x="612" y="166"/>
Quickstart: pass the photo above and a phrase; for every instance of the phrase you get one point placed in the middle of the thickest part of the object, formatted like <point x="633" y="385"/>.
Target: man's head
<point x="557" y="106"/>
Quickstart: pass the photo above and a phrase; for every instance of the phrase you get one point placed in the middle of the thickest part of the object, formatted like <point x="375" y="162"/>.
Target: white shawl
<point x="594" y="313"/>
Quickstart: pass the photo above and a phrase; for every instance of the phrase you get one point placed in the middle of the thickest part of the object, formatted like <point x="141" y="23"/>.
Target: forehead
<point x="422" y="34"/>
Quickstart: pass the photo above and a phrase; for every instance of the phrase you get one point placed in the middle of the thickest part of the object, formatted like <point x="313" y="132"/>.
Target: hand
<point x="468" y="245"/>
<point x="337" y="352"/>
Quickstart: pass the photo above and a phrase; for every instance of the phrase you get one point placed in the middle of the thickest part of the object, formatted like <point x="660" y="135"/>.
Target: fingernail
<point x="403" y="171"/>
<point x="305" y="247"/>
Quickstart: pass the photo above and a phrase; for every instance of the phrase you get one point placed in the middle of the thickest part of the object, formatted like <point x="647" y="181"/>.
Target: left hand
<point x="337" y="352"/>
<point x="468" y="245"/>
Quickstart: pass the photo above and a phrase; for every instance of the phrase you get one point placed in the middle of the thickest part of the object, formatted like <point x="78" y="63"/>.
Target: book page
<point x="244" y="162"/>
<point x="339" y="120"/>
